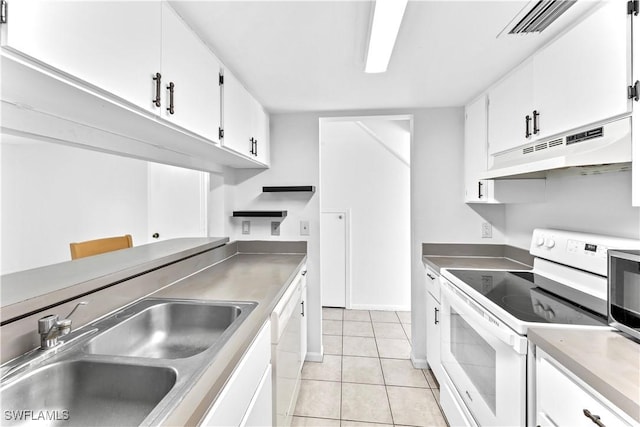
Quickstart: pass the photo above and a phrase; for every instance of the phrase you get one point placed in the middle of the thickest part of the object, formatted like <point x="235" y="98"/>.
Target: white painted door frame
<point x="410" y="119"/>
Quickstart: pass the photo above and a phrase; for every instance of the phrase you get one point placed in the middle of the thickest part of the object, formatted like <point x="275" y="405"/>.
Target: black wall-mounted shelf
<point x="260" y="214"/>
<point x="290" y="188"/>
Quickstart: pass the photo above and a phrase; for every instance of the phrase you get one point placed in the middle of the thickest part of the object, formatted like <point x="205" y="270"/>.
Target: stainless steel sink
<point x="129" y="368"/>
<point x="85" y="393"/>
<point x="170" y="330"/>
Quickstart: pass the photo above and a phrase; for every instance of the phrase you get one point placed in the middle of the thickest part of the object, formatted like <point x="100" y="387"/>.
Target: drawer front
<point x="433" y="283"/>
<point x="562" y="402"/>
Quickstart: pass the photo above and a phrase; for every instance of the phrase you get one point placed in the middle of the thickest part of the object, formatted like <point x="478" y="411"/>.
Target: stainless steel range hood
<point x="606" y="144"/>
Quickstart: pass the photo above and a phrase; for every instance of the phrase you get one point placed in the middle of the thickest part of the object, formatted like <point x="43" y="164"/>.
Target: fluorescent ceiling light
<point x="387" y="17"/>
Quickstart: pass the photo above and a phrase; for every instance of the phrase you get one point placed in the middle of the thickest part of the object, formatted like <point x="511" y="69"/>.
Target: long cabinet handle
<point x="527" y="131"/>
<point x="479" y="190"/>
<point x="593" y="417"/>
<point x="171" y="88"/>
<point x="431" y="277"/>
<point x="302" y="308"/>
<point x="252" y="145"/>
<point x="536" y="128"/>
<point x="435" y="316"/>
<point x="157" y="78"/>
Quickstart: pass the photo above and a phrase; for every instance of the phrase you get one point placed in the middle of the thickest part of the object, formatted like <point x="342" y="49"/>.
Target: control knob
<point x="549" y="314"/>
<point x="550" y="243"/>
<point x="540" y="241"/>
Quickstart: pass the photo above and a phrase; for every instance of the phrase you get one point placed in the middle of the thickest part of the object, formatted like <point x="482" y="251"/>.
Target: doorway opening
<point x="365" y="219"/>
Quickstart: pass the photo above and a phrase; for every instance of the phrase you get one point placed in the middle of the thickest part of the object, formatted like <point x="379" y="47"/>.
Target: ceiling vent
<point x="542" y="14"/>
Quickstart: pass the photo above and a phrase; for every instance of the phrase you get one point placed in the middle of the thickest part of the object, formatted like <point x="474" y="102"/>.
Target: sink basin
<point x="167" y="330"/>
<point x="91" y="393"/>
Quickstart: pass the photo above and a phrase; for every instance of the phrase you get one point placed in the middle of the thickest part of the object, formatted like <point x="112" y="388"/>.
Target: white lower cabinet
<point x="563" y="400"/>
<point x="260" y="409"/>
<point x="288" y="349"/>
<point x="303" y="320"/>
<point x="433" y="323"/>
<point x="244" y="396"/>
<point x="433" y="336"/>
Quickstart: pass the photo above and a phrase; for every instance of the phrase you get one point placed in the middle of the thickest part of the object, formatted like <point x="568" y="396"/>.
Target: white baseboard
<point x="380" y="307"/>
<point x="419" y="363"/>
<point x="313" y="357"/>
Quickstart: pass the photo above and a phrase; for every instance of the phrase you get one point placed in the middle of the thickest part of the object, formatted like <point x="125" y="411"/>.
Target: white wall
<point x="366" y="176"/>
<point x="594" y="203"/>
<point x="55" y="194"/>
<point x="294" y="161"/>
<point x="438" y="213"/>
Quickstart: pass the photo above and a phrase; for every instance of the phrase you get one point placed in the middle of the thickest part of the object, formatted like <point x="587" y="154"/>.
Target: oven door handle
<point x="512" y="339"/>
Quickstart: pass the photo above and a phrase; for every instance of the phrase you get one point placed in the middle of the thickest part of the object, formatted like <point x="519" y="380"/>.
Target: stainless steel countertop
<point x="437" y="263"/>
<point x="32" y="290"/>
<point x="604" y="359"/>
<point x="262" y="278"/>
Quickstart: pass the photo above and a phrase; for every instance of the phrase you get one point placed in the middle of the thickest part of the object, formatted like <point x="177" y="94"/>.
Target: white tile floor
<point x="366" y="377"/>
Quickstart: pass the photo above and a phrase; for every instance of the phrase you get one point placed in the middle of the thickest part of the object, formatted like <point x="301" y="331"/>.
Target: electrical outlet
<point x="246" y="227"/>
<point x="304" y="228"/>
<point x="275" y="228"/>
<point x="486" y="230"/>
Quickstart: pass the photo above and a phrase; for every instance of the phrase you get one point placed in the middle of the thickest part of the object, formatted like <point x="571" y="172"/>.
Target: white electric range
<point x="486" y="314"/>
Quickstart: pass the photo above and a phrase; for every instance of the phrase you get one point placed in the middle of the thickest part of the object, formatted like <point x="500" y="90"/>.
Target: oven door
<point x="485" y="359"/>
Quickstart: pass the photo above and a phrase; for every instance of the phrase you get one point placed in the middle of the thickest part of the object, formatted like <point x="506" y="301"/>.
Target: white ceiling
<point x="309" y="55"/>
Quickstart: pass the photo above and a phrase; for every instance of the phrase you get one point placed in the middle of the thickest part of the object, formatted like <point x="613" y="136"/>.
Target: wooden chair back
<point x="99" y="246"/>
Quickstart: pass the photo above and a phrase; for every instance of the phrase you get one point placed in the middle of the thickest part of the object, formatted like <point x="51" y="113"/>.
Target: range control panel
<point x="587" y="248"/>
<point x="580" y="250"/>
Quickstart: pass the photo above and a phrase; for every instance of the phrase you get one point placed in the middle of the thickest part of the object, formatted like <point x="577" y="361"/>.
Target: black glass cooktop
<point x="531" y="297"/>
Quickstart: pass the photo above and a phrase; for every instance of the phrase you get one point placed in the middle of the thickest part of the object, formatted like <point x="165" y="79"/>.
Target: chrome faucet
<point x="51" y="328"/>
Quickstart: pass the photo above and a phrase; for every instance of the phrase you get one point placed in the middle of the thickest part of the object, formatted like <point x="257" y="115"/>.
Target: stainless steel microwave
<point x="624" y="291"/>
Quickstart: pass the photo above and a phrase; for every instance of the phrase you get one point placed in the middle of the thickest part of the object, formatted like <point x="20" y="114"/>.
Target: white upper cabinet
<point x="260" y="132"/>
<point x="578" y="79"/>
<point x="236" y="116"/>
<point x="193" y="70"/>
<point x="582" y="77"/>
<point x="475" y="151"/>
<point x="475" y="163"/>
<point x="510" y="102"/>
<point x="114" y="46"/>
<point x="245" y="123"/>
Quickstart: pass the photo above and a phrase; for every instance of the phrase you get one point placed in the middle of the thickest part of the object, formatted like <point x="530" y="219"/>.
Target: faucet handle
<point x="46" y="323"/>
<point x="74" y="310"/>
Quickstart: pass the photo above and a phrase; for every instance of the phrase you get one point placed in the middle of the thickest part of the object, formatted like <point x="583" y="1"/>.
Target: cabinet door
<point x="194" y="70"/>
<point x="236" y="397"/>
<point x="261" y="406"/>
<point x="475" y="151"/>
<point x="236" y="116"/>
<point x="433" y="337"/>
<point x="561" y="402"/>
<point x="260" y="131"/>
<point x="509" y="103"/>
<point x="112" y="45"/>
<point x="583" y="76"/>
<point x="635" y="121"/>
<point x="303" y="323"/>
